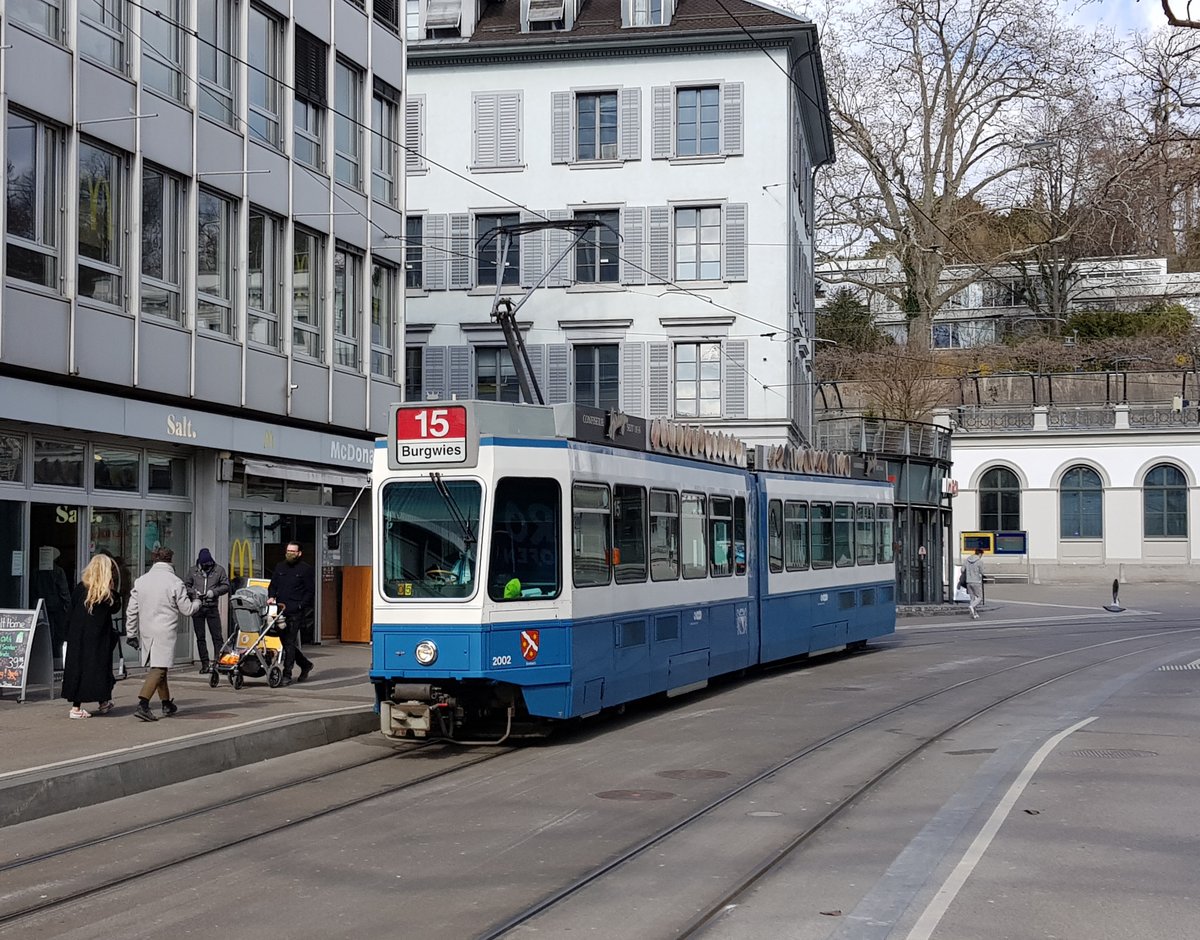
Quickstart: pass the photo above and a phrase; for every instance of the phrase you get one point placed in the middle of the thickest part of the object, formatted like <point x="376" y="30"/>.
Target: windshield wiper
<point x="455" y="512"/>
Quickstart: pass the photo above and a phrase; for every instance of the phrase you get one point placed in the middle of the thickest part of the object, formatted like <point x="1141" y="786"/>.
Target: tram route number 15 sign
<point x="430" y="436"/>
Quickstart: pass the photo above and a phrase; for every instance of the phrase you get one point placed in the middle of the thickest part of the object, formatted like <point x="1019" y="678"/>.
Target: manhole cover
<point x="203" y="715"/>
<point x="972" y="750"/>
<point x="693" y="774"/>
<point x="1112" y="753"/>
<point x="636" y="795"/>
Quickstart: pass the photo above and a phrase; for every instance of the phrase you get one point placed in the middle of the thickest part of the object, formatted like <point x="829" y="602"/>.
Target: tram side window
<point x="664" y="535"/>
<point x="695" y="556"/>
<point x="739" y="535"/>
<point x="864" y="533"/>
<point x="795" y="535"/>
<point x="843" y="534"/>
<point x="526" y="540"/>
<point x="590" y="539"/>
<point x="884" y="525"/>
<point x="775" y="535"/>
<point x="720" y="536"/>
<point x="821" y="555"/>
<point x="629" y="533"/>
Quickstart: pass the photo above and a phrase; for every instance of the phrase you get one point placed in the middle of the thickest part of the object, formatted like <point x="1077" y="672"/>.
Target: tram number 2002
<point x="501" y="661"/>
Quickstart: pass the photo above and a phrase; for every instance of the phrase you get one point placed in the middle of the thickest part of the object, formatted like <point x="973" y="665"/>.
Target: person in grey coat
<point x="206" y="582"/>
<point x="973" y="581"/>
<point x="156" y="602"/>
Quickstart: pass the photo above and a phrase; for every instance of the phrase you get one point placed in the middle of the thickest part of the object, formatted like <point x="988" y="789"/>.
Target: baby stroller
<point x="254" y="647"/>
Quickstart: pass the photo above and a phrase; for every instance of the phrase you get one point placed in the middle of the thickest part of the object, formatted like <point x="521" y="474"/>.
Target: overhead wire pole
<point x="504" y="310"/>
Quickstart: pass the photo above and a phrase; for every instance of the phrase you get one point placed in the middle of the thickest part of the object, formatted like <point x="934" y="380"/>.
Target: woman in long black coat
<point x="87" y="673"/>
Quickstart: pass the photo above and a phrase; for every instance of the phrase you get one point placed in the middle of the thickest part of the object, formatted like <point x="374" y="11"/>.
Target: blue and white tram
<point x="535" y="564"/>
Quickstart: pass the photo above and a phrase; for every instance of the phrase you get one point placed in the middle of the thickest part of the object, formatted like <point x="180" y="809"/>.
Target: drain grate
<point x="972" y="750"/>
<point x="1112" y="753"/>
<point x="696" y="774"/>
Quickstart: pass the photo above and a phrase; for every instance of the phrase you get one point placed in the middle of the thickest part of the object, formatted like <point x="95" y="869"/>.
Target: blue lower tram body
<point x="584" y="665"/>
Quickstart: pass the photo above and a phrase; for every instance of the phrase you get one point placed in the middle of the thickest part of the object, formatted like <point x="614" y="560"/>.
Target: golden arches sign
<point x="241" y="559"/>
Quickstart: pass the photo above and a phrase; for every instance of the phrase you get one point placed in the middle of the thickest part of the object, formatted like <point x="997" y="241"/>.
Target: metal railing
<point x="883" y="436"/>
<point x="973" y="418"/>
<point x="1081" y="418"/>
<point x="1088" y="417"/>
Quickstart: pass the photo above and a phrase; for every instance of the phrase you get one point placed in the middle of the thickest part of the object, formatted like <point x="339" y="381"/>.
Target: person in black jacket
<point x="292" y="586"/>
<point x="87" y="671"/>
<point x="206" y="582"/>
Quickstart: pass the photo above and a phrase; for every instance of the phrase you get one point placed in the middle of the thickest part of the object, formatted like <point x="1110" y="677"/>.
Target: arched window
<point x="999" y="501"/>
<point x="1081" y="504"/>
<point x="1164" y="503"/>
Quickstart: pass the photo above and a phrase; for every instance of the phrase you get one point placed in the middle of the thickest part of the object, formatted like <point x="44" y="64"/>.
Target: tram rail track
<point x="745" y="882"/>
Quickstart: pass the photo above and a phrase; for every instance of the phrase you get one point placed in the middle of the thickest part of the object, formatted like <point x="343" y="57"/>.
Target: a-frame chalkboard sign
<point x="26" y="653"/>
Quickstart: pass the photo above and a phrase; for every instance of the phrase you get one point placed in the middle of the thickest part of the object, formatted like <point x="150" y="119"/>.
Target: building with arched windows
<point x="1080" y="493"/>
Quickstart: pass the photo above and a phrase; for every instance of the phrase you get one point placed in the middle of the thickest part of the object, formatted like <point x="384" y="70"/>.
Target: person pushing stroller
<point x="206" y="582"/>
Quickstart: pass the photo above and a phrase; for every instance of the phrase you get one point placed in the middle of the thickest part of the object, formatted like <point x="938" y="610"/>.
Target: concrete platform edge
<point x="89" y="781"/>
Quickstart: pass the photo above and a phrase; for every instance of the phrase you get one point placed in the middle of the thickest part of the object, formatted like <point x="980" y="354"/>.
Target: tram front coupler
<point x="416" y="710"/>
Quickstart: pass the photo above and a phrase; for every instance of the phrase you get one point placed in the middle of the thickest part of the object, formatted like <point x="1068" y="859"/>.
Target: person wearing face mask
<point x="292" y="586"/>
<point x="206" y="582"/>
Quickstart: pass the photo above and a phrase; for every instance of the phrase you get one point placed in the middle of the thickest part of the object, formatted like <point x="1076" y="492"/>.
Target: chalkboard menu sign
<point x="25" y="653"/>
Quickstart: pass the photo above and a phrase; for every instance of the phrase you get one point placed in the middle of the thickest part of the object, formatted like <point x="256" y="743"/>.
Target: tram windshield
<point x="430" y="538"/>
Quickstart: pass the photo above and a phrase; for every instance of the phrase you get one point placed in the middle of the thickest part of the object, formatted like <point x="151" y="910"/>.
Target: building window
<point x="496" y="130"/>
<point x="215" y="234"/>
<point x="486" y="261"/>
<point x="307" y="337"/>
<point x="385" y="114"/>
<point x="495" y="376"/>
<point x="263" y="278"/>
<point x="162" y="251"/>
<point x="387" y="14"/>
<point x="163" y="46"/>
<point x="347" y="125"/>
<point x="697" y="121"/>
<point x="101" y="227"/>
<point x="102" y="32"/>
<point x="1080" y="504"/>
<point x="962" y="334"/>
<point x="597" y="254"/>
<point x="265" y="41"/>
<point x="698" y="380"/>
<point x="39" y="15"/>
<point x="999" y="501"/>
<point x="412" y="20"/>
<point x="32" y="197"/>
<point x="383" y="320"/>
<point x="597" y="371"/>
<point x="698" y="243"/>
<point x="596" y="126"/>
<point x="647" y="13"/>
<point x="414" y="373"/>
<point x="308" y="112"/>
<point x="347" y="304"/>
<point x="414" y="252"/>
<point x="1164" y="503"/>
<point x="215" y="51"/>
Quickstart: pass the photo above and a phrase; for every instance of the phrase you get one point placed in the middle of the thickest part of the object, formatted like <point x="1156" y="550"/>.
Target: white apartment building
<point x="690" y="130"/>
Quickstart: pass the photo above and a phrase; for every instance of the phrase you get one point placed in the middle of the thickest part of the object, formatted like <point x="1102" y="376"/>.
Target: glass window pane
<point x="57" y="463"/>
<point x="590" y="538"/>
<point x="695" y="554"/>
<point x="116" y="470"/>
<point x="629" y="534"/>
<point x="664" y="535"/>
<point x="168" y="476"/>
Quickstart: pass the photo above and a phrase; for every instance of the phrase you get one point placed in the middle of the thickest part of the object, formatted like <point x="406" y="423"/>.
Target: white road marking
<point x="945" y="896"/>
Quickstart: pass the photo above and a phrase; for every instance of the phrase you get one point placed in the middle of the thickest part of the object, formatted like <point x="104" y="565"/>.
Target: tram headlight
<point x="426" y="652"/>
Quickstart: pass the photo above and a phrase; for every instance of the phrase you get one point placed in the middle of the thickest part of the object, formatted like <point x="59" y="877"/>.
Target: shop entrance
<point x="258" y="541"/>
<point x="13" y="560"/>
<point x="53" y="569"/>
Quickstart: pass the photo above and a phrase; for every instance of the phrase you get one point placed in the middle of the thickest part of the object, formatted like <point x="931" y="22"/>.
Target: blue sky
<point x="1124" y="16"/>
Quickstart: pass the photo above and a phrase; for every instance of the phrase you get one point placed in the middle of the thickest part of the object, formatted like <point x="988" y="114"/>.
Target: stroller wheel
<point x="275" y="677"/>
<point x="214" y="678"/>
<point x="237" y="679"/>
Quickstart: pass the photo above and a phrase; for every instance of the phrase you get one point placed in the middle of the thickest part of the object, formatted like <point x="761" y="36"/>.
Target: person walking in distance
<point x="292" y="585"/>
<point x="156" y="602"/>
<point x="206" y="582"/>
<point x="973" y="578"/>
<point x="87" y="671"/>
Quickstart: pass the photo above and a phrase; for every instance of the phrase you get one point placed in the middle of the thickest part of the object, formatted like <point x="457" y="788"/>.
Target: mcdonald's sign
<point x="241" y="559"/>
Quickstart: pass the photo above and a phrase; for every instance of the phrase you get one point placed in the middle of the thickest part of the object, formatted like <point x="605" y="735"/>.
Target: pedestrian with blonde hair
<point x="87" y="671"/>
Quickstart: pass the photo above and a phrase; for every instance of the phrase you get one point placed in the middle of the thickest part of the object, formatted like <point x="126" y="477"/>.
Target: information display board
<point x="974" y="540"/>
<point x="26" y="657"/>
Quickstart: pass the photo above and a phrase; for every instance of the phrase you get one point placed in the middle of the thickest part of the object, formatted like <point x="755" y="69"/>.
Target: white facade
<point x="714" y="260"/>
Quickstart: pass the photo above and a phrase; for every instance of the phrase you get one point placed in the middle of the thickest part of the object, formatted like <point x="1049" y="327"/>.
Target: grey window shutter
<point x="434" y="365"/>
<point x="633" y="245"/>
<point x="562" y="136"/>
<point x="486" y="130"/>
<point x="629" y="105"/>
<point x="660" y="243"/>
<point x="660" y="380"/>
<point x="557" y="242"/>
<point x="537" y="362"/>
<point x="735" y="378"/>
<point x="558" y="377"/>
<point x="662" y="121"/>
<point x="414" y="134"/>
<point x="462" y="382"/>
<point x="731" y="118"/>
<point x="633" y="378"/>
<point x="735" y="241"/>
<point x="462" y="250"/>
<point x="309" y="72"/>
<point x="533" y="252"/>
<point x="508" y="146"/>
<point x="437" y="246"/>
